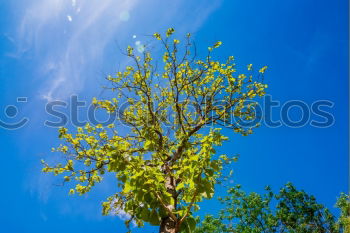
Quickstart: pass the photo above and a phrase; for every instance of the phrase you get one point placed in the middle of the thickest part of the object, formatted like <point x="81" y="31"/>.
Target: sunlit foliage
<point x="163" y="156"/>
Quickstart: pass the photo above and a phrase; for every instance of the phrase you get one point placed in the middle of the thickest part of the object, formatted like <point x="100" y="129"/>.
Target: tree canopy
<point x="164" y="153"/>
<point x="288" y="211"/>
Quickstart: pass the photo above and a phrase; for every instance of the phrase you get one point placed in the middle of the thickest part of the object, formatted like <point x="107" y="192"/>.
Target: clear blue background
<point x="304" y="43"/>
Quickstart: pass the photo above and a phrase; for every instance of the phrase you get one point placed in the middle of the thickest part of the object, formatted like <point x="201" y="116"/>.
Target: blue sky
<point x="53" y="49"/>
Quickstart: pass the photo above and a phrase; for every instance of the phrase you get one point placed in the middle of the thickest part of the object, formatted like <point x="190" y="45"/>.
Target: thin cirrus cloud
<point x="69" y="38"/>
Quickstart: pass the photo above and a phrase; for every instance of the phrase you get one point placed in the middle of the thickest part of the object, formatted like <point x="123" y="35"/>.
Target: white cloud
<point x="77" y="47"/>
<point x="43" y="29"/>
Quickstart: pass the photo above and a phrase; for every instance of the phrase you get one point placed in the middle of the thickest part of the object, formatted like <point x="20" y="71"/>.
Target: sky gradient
<point x="53" y="49"/>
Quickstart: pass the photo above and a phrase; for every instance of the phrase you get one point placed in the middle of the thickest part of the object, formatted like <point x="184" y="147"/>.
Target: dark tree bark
<point x="167" y="225"/>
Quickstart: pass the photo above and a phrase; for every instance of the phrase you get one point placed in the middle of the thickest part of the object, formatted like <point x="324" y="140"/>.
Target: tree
<point x="164" y="157"/>
<point x="290" y="210"/>
<point x="343" y="204"/>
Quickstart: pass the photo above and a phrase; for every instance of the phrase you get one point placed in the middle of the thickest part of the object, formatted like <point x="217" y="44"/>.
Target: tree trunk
<point x="167" y="225"/>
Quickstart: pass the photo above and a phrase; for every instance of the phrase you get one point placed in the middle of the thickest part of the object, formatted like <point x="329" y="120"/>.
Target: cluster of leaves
<point x="164" y="159"/>
<point x="290" y="210"/>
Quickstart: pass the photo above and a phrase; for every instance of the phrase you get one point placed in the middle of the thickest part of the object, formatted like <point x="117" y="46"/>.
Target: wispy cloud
<point x="69" y="38"/>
